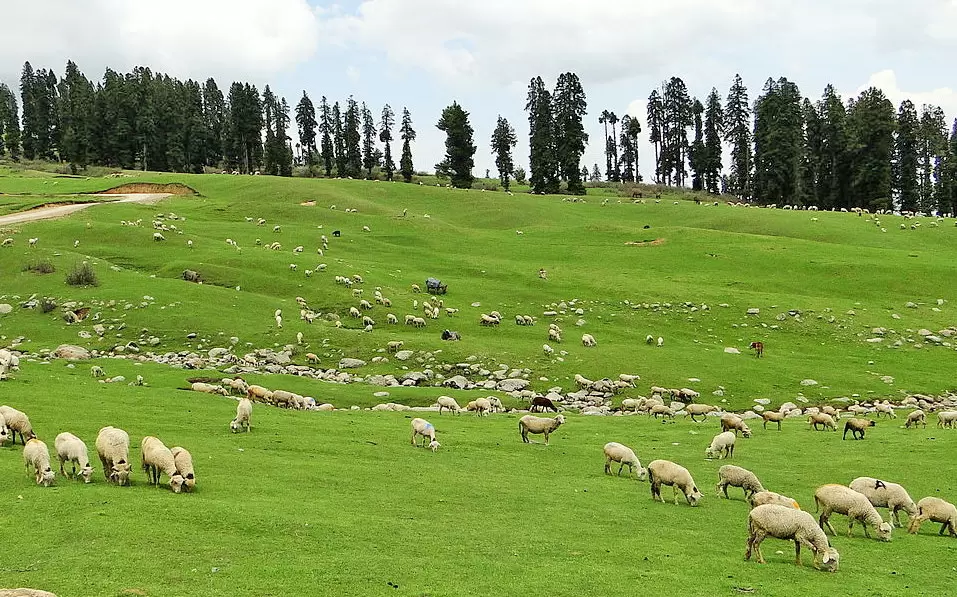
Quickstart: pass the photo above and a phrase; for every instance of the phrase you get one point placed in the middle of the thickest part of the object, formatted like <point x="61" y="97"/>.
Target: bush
<point x="42" y="266"/>
<point x="82" y="275"/>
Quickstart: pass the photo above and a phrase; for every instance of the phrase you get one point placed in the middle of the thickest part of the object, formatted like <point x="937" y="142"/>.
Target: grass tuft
<point x="82" y="275"/>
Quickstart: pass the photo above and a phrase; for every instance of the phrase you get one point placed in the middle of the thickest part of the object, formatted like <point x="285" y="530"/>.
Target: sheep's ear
<point x="827" y="557"/>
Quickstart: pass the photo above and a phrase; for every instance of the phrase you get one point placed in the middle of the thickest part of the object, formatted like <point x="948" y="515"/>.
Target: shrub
<point x="82" y="275"/>
<point x="41" y="266"/>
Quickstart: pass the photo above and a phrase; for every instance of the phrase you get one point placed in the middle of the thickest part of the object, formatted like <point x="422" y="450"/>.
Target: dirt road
<point x="58" y="211"/>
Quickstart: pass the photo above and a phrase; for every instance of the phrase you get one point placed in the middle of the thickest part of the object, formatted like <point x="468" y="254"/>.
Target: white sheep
<point x="722" y="446"/>
<point x="936" y="510"/>
<point x="17" y="422"/>
<point x="665" y="472"/>
<point x="884" y="494"/>
<point x="732" y="422"/>
<point x="483" y="407"/>
<point x="588" y="340"/>
<point x="625" y="456"/>
<point x="427" y="431"/>
<point x="554" y="336"/>
<point x="36" y="456"/>
<point x="661" y="341"/>
<point x="538" y="425"/>
<point x="916" y="418"/>
<point x="825" y="420"/>
<point x="70" y="448"/>
<point x="632" y="404"/>
<point x="699" y="410"/>
<point x="244" y="411"/>
<point x="206" y="388"/>
<point x="158" y="236"/>
<point x="33" y="242"/>
<point x="548" y="350"/>
<point x="157" y="459"/>
<point x="391" y="319"/>
<point x="781" y="522"/>
<point x="113" y="448"/>
<point x="447" y="402"/>
<point x="946" y="418"/>
<point x="770" y="497"/>
<point x="735" y="476"/>
<point x="184" y="467"/>
<point x="279" y="321"/>
<point x="844" y="500"/>
<point x="394" y="346"/>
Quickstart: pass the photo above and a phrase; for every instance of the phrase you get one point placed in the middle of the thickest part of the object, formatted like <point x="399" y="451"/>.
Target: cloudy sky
<point x="426" y="53"/>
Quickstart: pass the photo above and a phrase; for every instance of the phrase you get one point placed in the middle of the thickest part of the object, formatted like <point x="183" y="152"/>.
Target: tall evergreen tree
<point x="713" y="133"/>
<point x="272" y="147"/>
<point x="9" y="123"/>
<point x="655" y="117"/>
<point x="698" y="153"/>
<point x="778" y="142"/>
<point x="570" y="137"/>
<point x="812" y="157"/>
<point x="503" y="140"/>
<point x="459" y="147"/>
<point x="352" y="138"/>
<point x="385" y="135"/>
<point x="737" y="120"/>
<point x="677" y="118"/>
<point x="369" y="152"/>
<point x="947" y="190"/>
<point x="75" y="114"/>
<point x="931" y="147"/>
<point x="245" y="125"/>
<point x="214" y="122"/>
<point x="835" y="174"/>
<point x="114" y="111"/>
<point x="627" y="150"/>
<point x="595" y="174"/>
<point x="327" y="128"/>
<point x="542" y="157"/>
<point x="31" y="117"/>
<point x="408" y="136"/>
<point x="614" y="175"/>
<point x="870" y="125"/>
<point x="905" y="157"/>
<point x="630" y="131"/>
<point x="339" y="140"/>
<point x="604" y="118"/>
<point x="306" y="121"/>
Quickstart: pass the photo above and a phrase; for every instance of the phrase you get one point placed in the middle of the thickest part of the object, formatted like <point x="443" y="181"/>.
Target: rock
<point x="758" y="408"/>
<point x="348" y="363"/>
<point x="874" y="340"/>
<point x="512" y="385"/>
<point x="887" y="379"/>
<point x="550" y="313"/>
<point x="763" y="401"/>
<point x="215" y="353"/>
<point x="25" y="593"/>
<point x="924" y="332"/>
<point x="895" y="316"/>
<point x="71" y="352"/>
<point x="381" y="394"/>
<point x="808" y="382"/>
<point x="910" y="305"/>
<point x="404" y="355"/>
<point x="754" y="311"/>
<point x="732" y="350"/>
<point x="554" y="397"/>
<point x="5" y="308"/>
<point x="934" y="339"/>
<point x="84" y="334"/>
<point x="456" y="381"/>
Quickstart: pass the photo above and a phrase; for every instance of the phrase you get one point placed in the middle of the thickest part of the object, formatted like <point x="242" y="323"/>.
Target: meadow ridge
<point x="341" y="503"/>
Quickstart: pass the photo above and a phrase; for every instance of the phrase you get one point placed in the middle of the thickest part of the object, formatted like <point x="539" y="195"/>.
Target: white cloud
<point x="198" y="38"/>
<point x="886" y="81"/>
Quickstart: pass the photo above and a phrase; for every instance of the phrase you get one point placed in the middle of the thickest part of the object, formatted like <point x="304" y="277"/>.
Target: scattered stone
<point x="5" y="308"/>
<point x="911" y="305"/>
<point x="71" y="352"/>
<point x="732" y="350"/>
<point x="348" y="363"/>
<point x="753" y="311"/>
<point x="808" y="382"/>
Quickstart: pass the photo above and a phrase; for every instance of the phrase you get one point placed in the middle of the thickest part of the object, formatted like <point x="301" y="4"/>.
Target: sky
<point x="424" y="54"/>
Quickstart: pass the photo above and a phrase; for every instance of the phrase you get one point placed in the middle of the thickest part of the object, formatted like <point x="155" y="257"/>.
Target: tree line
<point x="145" y="120"/>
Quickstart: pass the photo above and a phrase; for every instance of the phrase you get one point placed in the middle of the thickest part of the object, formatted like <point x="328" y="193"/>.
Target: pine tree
<point x="9" y="123"/>
<point x="713" y="133"/>
<point x="339" y="140"/>
<point x="737" y="120"/>
<point x="585" y="173"/>
<point x="905" y="158"/>
<point x="113" y="121"/>
<point x="459" y="147"/>
<point x="327" y="128"/>
<point x="542" y="158"/>
<point x="75" y="114"/>
<point x="245" y="126"/>
<point x="595" y="174"/>
<point x="778" y="143"/>
<point x="194" y="133"/>
<point x="870" y="125"/>
<point x="408" y="136"/>
<point x="834" y="177"/>
<point x="272" y="146"/>
<point x="30" y="117"/>
<point x="306" y="121"/>
<point x="627" y="151"/>
<point x="698" y="154"/>
<point x="214" y="122"/>
<point x="604" y="118"/>
<point x="947" y="190"/>
<point x="614" y="175"/>
<point x="655" y="117"/>
<point x="503" y="140"/>
<point x="810" y="173"/>
<point x="352" y="139"/>
<point x="368" y="141"/>
<point x="932" y="145"/>
<point x="385" y="136"/>
<point x="677" y="118"/>
<point x="569" y="133"/>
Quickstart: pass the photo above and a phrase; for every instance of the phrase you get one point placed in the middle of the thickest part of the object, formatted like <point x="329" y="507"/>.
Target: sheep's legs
<point x="897" y="516"/>
<point x="797" y="553"/>
<point x="755" y="543"/>
<point x="675" y="488"/>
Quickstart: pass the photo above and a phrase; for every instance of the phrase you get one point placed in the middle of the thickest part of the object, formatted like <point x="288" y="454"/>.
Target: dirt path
<point x="58" y="211"/>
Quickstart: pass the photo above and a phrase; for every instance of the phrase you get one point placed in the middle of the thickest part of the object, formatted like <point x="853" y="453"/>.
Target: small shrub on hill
<point x="82" y="275"/>
<point x="40" y="266"/>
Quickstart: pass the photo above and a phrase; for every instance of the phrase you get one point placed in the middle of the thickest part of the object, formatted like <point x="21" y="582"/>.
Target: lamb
<point x="857" y="426"/>
<point x="258" y="393"/>
<point x="394" y="346"/>
<point x="916" y="418"/>
<point x="732" y="422"/>
<point x="825" y="420"/>
<point x="244" y="410"/>
<point x="937" y="510"/>
<point x="427" y="431"/>
<point x="184" y="467"/>
<point x="884" y="494"/>
<point x="722" y="446"/>
<point x="631" y="404"/>
<point x="771" y="416"/>
<point x="665" y="472"/>
<point x="483" y="407"/>
<point x="588" y="340"/>
<point x="735" y="476"/>
<point x="661" y="409"/>
<point x="17" y="422"/>
<point x="113" y="447"/>
<point x="615" y="452"/>
<point x="699" y="410"/>
<point x="782" y="522"/>
<point x="449" y="403"/>
<point x="532" y="424"/>
<point x="158" y="459"/>
<point x="206" y="388"/>
<point x="542" y="404"/>
<point x="844" y="500"/>
<point x="946" y="418"/>
<point x="70" y="448"/>
<point x="770" y="497"/>
<point x="36" y="456"/>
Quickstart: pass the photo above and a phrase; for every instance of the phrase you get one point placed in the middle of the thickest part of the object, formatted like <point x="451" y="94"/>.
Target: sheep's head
<point x="745" y="431"/>
<point x="884" y="531"/>
<point x="4" y="435"/>
<point x="694" y="497"/>
<point x="87" y="473"/>
<point x="642" y="473"/>
<point x="434" y="445"/>
<point x="234" y="426"/>
<point x="45" y="477"/>
<point x="120" y="473"/>
<point x="176" y="483"/>
<point x="559" y="420"/>
<point x="828" y="560"/>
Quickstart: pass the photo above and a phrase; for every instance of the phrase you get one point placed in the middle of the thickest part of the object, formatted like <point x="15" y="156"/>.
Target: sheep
<point x="483" y="407"/>
<point x="449" y="403"/>
<point x="770" y="497"/>
<point x="496" y="403"/>
<point x="825" y="420"/>
<point x="588" y="340"/>
<point x="7" y="242"/>
<point x="735" y="476"/>
<point x="17" y="422"/>
<point x="279" y="321"/>
<point x="732" y="422"/>
<point x="157" y="459"/>
<point x="33" y="242"/>
<point x="665" y="472"/>
<point x="582" y="381"/>
<point x="771" y="416"/>
<point x="884" y="494"/>
<point x="395" y="346"/>
<point x="722" y="446"/>
<point x="699" y="410"/>
<point x="542" y="404"/>
<point x="661" y="409"/>
<point x="259" y="393"/>
<point x="416" y="288"/>
<point x="631" y="404"/>
<point x="391" y="319"/>
<point x="886" y="409"/>
<point x="427" y="431"/>
<point x="277" y="228"/>
<point x="625" y="456"/>
<point x="857" y="426"/>
<point x="554" y="336"/>
<point x="661" y="342"/>
<point x="548" y="350"/>
<point x="184" y="467"/>
<point x="946" y="418"/>
<point x="113" y="448"/>
<point x="244" y="411"/>
<point x="916" y="418"/>
<point x="532" y="424"/>
<point x="418" y="322"/>
<point x="937" y="510"/>
<point x="367" y="321"/>
<point x="844" y="500"/>
<point x="206" y="388"/>
<point x="36" y="456"/>
<point x="781" y="522"/>
<point x="158" y="236"/>
<point x="71" y="448"/>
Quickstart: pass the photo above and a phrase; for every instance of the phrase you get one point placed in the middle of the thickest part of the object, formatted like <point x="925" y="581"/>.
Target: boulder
<point x="732" y="350"/>
<point x="808" y="382"/>
<point x="513" y="384"/>
<point x="5" y="308"/>
<point x="348" y="363"/>
<point x="754" y="311"/>
<point x="404" y="355"/>
<point x="25" y="593"/>
<point x="71" y="352"/>
<point x="456" y="381"/>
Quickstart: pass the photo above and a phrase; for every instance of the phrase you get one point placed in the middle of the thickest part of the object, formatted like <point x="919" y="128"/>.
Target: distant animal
<point x="758" y="348"/>
<point x="450" y="335"/>
<point x="636" y="195"/>
<point x="542" y="404"/>
<point x="857" y="427"/>
<point x="336" y="233"/>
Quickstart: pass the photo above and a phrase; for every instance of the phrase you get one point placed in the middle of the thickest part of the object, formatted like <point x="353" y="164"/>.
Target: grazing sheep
<point x="771" y="416"/>
<point x="427" y="431"/>
<point x="244" y="411"/>
<point x="825" y="420"/>
<point x="483" y="407"/>
<point x="781" y="522"/>
<point x="844" y="500"/>
<point x="665" y="472"/>
<point x="206" y="388"/>
<point x="661" y="341"/>
<point x="449" y="403"/>
<point x="661" y="409"/>
<point x="884" y="408"/>
<point x="184" y="467"/>
<point x="699" y="410"/>
<point x="936" y="510"/>
<point x="857" y="426"/>
<point x="732" y="422"/>
<point x="884" y="494"/>
<point x="157" y="459"/>
<point x="532" y="424"/>
<point x="391" y="318"/>
<point x="735" y="476"/>
<point x="258" y="393"/>
<point x="395" y="346"/>
<point x="770" y="497"/>
<point x="946" y="418"/>
<point x="418" y="322"/>
<point x="237" y="384"/>
<point x="916" y="418"/>
<point x="548" y="350"/>
<point x="588" y="340"/>
<point x="722" y="446"/>
<point x="416" y="288"/>
<point x="631" y="404"/>
<point x="17" y="422"/>
<point x="554" y="336"/>
<point x="158" y="237"/>
<point x="542" y="404"/>
<point x="625" y="456"/>
<point x="113" y="447"/>
<point x="70" y="448"/>
<point x="36" y="456"/>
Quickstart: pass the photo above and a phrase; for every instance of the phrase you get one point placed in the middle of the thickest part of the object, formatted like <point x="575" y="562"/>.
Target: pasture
<point x="341" y="503"/>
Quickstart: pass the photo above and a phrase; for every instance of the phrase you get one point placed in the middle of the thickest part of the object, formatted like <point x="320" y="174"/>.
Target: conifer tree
<point x="543" y="161"/>
<point x="905" y="157"/>
<point x="369" y="151"/>
<point x="306" y="121"/>
<point x="737" y="120"/>
<point x="569" y="133"/>
<point x="385" y="135"/>
<point x="503" y="140"/>
<point x="713" y="133"/>
<point x="408" y="136"/>
<point x="352" y="138"/>
<point x="459" y="147"/>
